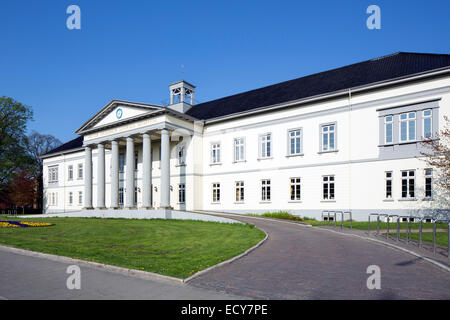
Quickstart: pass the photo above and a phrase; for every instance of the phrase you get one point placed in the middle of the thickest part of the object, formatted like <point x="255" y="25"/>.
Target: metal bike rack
<point x="328" y="214"/>
<point x="408" y="229"/>
<point x="342" y="218"/>
<point x="434" y="235"/>
<point x="350" y="214"/>
<point x="378" y="222"/>
<point x="368" y="225"/>
<point x="398" y="225"/>
<point x="420" y="227"/>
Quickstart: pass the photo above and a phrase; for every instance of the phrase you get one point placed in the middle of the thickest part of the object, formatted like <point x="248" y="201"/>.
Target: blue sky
<point x="133" y="49"/>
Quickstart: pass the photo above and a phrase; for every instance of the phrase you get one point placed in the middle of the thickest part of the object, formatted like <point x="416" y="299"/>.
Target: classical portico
<point x="129" y="142"/>
<point x="120" y="129"/>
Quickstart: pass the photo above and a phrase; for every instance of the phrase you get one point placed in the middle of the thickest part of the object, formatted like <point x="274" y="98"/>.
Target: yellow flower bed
<point x="36" y="224"/>
<point x="8" y="225"/>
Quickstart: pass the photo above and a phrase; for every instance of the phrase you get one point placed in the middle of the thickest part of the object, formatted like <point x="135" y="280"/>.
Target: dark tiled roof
<point x="72" y="144"/>
<point x="393" y="66"/>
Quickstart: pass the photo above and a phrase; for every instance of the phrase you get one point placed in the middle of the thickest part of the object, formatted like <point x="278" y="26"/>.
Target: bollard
<point x="398" y="229"/>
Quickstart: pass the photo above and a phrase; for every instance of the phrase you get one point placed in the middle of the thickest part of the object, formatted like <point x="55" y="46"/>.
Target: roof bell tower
<point x="181" y="96"/>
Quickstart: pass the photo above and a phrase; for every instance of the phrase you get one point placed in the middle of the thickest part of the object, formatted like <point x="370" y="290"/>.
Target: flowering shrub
<point x="16" y="224"/>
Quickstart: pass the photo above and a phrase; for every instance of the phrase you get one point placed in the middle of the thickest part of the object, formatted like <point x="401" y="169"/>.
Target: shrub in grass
<point x="279" y="215"/>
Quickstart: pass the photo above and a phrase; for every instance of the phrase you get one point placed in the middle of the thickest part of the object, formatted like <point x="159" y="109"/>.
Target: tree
<point x="39" y="144"/>
<point x="13" y="141"/>
<point x="23" y="189"/>
<point x="438" y="156"/>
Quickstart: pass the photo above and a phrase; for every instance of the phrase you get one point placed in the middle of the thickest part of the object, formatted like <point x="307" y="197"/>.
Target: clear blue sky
<point x="132" y="50"/>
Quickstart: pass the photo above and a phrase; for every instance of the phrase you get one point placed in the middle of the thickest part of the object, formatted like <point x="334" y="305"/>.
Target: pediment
<point x="116" y="112"/>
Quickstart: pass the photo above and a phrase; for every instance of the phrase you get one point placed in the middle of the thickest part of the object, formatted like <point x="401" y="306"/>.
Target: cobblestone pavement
<point x="300" y="262"/>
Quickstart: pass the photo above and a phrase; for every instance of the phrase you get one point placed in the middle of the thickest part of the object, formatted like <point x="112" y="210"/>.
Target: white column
<point x="147" y="173"/>
<point x="183" y="92"/>
<point x="114" y="174"/>
<point x="87" y="177"/>
<point x="101" y="176"/>
<point x="129" y="203"/>
<point x="165" y="169"/>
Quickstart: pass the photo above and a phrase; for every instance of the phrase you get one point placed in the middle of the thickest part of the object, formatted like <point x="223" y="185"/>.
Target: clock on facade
<point x="119" y="113"/>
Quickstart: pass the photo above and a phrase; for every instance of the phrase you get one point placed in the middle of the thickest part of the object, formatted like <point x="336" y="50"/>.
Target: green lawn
<point x="361" y="225"/>
<point x="177" y="248"/>
<point x="441" y="237"/>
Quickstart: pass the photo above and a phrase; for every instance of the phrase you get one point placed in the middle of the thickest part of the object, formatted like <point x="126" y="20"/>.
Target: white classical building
<point x="345" y="139"/>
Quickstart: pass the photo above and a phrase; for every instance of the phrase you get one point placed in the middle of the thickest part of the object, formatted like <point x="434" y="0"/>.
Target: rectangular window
<point x="136" y="161"/>
<point x="181" y="155"/>
<point x="181" y="193"/>
<point x="388" y="129"/>
<point x="70" y="198"/>
<point x="80" y="171"/>
<point x="121" y="196"/>
<point x="121" y="162"/>
<point x="328" y="188"/>
<point x="239" y="191"/>
<point x="80" y="198"/>
<point x="295" y="189"/>
<point x="70" y="173"/>
<point x="265" y="144"/>
<point x="428" y="183"/>
<point x="295" y="141"/>
<point x="388" y="185"/>
<point x="216" y="192"/>
<point x="328" y="133"/>
<point x="239" y="148"/>
<point x="408" y="126"/>
<point x="215" y="153"/>
<point x="135" y="198"/>
<point x="427" y="124"/>
<point x="265" y="190"/>
<point x="408" y="184"/>
<point x="54" y="199"/>
<point x="53" y="174"/>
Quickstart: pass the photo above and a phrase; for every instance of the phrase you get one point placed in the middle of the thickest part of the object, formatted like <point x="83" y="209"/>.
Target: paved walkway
<point x="28" y="277"/>
<point x="301" y="262"/>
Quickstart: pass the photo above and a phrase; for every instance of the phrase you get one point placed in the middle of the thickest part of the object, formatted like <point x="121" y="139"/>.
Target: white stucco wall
<point x="358" y="165"/>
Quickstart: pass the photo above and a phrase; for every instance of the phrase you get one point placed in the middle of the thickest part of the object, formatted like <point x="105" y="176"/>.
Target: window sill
<point x="215" y="164"/>
<point x="428" y="199"/>
<point x="215" y="202"/>
<point x="328" y="151"/>
<point x="388" y="200"/>
<point x="327" y="200"/>
<point x="295" y="155"/>
<point x="265" y="202"/>
<point x="239" y="161"/>
<point x="267" y="158"/>
<point x="407" y="199"/>
<point x="239" y="202"/>
<point x="295" y="201"/>
<point x="180" y="165"/>
<point x="180" y="203"/>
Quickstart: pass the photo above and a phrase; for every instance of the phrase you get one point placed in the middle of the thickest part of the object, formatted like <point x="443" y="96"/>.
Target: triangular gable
<point x="117" y="111"/>
<point x="120" y="113"/>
